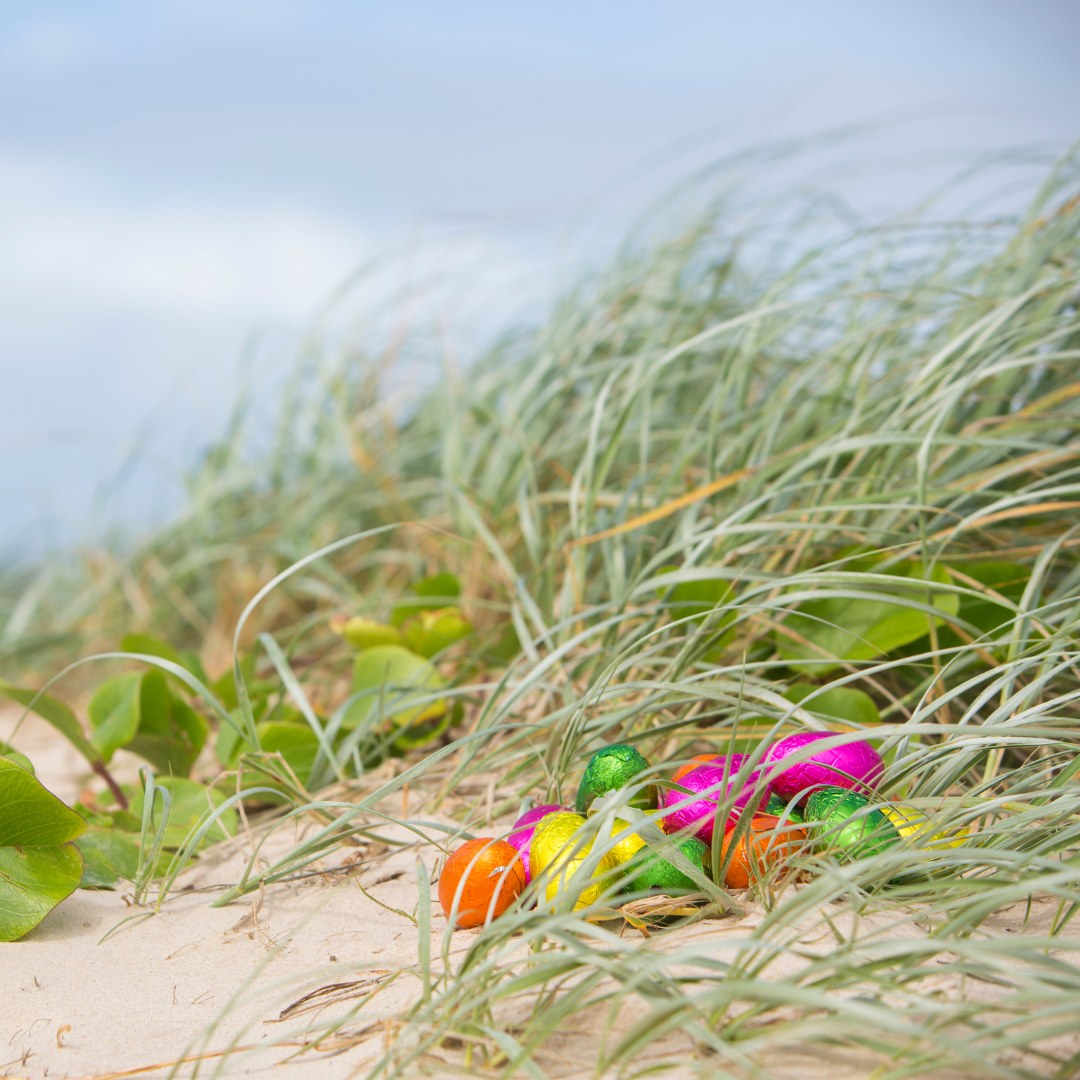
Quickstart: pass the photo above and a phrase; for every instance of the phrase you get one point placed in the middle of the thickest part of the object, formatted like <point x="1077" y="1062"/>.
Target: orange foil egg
<point x="693" y="763"/>
<point x="759" y="849"/>
<point x="490" y="875"/>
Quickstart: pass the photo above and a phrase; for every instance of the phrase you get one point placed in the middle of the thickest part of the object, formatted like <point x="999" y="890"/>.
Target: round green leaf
<point x="114" y="713"/>
<point x="30" y="814"/>
<point x="397" y="677"/>
<point x="33" y="880"/>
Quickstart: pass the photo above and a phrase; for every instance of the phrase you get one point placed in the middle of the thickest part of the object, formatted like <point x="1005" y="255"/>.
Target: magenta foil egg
<point x="701" y="814"/>
<point x="855" y="765"/>
<point x="525" y="826"/>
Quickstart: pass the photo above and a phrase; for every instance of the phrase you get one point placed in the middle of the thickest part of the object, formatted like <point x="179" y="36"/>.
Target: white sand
<point x="72" y="1005"/>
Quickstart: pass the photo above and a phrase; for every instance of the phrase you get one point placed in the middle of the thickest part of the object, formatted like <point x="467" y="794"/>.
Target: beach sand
<point x="87" y="993"/>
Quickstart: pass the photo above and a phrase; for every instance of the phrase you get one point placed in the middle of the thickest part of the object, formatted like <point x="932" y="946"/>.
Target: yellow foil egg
<point x="914" y="826"/>
<point x="558" y="850"/>
<point x="627" y="845"/>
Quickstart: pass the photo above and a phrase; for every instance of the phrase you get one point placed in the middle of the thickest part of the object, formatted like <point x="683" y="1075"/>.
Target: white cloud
<point x="65" y="240"/>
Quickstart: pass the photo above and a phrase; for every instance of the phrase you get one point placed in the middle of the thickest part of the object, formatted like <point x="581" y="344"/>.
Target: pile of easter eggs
<point x="809" y="789"/>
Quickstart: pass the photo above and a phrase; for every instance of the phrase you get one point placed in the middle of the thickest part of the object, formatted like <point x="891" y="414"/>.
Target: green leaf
<point x="505" y="648"/>
<point x="395" y="677"/>
<point x="432" y="631"/>
<point x="190" y="725"/>
<point x="171" y="733"/>
<point x="56" y="713"/>
<point x="364" y="633"/>
<point x="296" y="743"/>
<point x="442" y="586"/>
<point x="146" y="645"/>
<point x="839" y="702"/>
<point x="114" y="713"/>
<point x="418" y="733"/>
<point x="30" y="814"/>
<point x="33" y="880"/>
<point x="108" y="856"/>
<point x="14" y="755"/>
<point x="38" y="865"/>
<point x="167" y="756"/>
<point x="258" y="690"/>
<point x="432" y="593"/>
<point x="191" y="661"/>
<point x="155" y="705"/>
<point x="189" y="803"/>
<point x="1009" y="579"/>
<point x="696" y="598"/>
<point x="856" y="628"/>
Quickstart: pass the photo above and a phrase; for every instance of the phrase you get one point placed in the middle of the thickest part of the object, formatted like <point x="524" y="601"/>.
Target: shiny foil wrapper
<point x="700" y="815"/>
<point x="612" y="769"/>
<point x="830" y="814"/>
<point x="855" y="765"/>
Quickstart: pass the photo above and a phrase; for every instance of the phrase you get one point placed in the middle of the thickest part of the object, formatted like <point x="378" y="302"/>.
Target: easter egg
<point x="486" y="877"/>
<point x="829" y="816"/>
<point x="914" y="826"/>
<point x="658" y="875"/>
<point x="523" y="830"/>
<point x="559" y="850"/>
<point x="627" y="842"/>
<point x="693" y="763"/>
<point x="701" y="813"/>
<point x="855" y="765"/>
<point x="764" y="845"/>
<point x="611" y="769"/>
<point x="782" y="808"/>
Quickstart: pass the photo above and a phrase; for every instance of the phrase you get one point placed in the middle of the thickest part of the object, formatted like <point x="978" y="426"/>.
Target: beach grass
<point x="674" y="509"/>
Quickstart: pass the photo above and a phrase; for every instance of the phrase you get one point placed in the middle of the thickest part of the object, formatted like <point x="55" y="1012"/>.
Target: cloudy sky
<point x="176" y="177"/>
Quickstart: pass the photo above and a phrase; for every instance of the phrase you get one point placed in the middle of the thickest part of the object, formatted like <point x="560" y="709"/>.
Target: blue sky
<point x="176" y="176"/>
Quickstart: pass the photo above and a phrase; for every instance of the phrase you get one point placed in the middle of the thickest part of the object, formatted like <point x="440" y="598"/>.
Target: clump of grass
<point x="713" y="488"/>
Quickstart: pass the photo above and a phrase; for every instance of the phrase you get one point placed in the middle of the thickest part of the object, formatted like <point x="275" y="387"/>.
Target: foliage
<point x="741" y="485"/>
<point x="39" y="866"/>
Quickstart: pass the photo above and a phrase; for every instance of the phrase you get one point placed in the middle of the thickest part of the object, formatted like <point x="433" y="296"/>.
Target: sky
<point x="182" y="185"/>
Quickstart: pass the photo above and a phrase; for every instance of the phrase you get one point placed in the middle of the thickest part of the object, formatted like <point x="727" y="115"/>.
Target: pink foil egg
<point x="855" y="765"/>
<point x="702" y="812"/>
<point x="525" y="826"/>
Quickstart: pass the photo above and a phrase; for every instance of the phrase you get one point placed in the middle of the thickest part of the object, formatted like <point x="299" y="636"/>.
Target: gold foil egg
<point x="560" y="851"/>
<point x="914" y="826"/>
<point x="627" y="844"/>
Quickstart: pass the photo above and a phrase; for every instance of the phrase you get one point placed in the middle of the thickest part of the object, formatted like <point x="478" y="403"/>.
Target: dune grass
<point x="796" y="433"/>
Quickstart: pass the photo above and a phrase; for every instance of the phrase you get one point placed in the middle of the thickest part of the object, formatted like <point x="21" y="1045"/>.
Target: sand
<point x="88" y="994"/>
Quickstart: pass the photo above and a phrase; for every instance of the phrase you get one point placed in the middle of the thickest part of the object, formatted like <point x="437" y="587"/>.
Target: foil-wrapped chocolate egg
<point x="485" y="877"/>
<point x="693" y="763"/>
<point x="558" y="852"/>
<point x="834" y="819"/>
<point x="525" y="827"/>
<point x="782" y="808"/>
<point x="700" y="815"/>
<point x="656" y="874"/>
<point x="610" y="769"/>
<point x="914" y="826"/>
<point x="855" y="765"/>
<point x="626" y="844"/>
<point x="764" y="845"/>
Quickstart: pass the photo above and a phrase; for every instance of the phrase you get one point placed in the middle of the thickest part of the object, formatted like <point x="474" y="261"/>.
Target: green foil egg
<point x="658" y="875"/>
<point x="829" y="814"/>
<point x="611" y="769"/>
<point x="778" y="807"/>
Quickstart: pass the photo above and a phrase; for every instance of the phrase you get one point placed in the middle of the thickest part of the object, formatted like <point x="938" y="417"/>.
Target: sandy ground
<point x="88" y="994"/>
